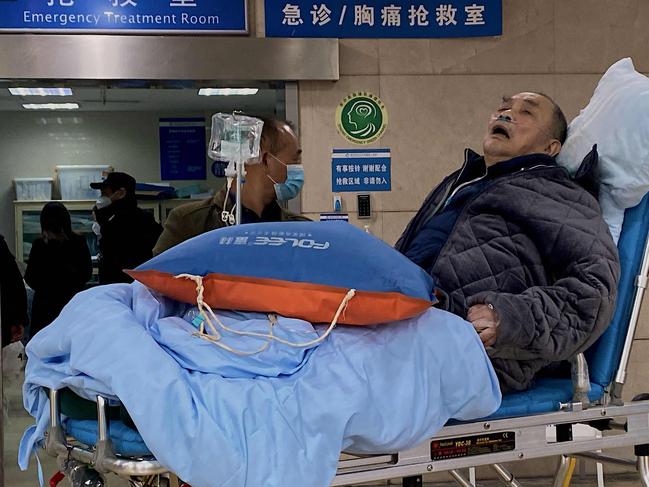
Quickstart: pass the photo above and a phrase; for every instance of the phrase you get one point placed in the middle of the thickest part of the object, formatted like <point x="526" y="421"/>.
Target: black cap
<point x="115" y="181"/>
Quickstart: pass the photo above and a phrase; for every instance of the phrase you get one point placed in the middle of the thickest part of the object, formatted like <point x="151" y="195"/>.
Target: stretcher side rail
<point x="530" y="438"/>
<point x="529" y="433"/>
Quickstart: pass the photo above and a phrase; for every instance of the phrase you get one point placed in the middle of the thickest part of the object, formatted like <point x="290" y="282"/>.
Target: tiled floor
<point x="17" y="420"/>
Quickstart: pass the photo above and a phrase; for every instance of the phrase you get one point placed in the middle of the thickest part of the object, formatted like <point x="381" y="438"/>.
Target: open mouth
<point x="500" y="130"/>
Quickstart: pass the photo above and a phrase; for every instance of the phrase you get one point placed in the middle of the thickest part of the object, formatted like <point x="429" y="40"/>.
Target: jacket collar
<point x="272" y="212"/>
<point x="473" y="167"/>
<point x="474" y="164"/>
<point x="219" y="197"/>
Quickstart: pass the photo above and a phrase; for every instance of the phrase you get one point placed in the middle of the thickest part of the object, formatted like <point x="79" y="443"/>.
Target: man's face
<point x="290" y="153"/>
<point x="524" y="130"/>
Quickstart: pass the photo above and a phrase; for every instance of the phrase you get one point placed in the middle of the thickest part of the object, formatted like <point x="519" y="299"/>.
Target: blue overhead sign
<point x="361" y="170"/>
<point x="183" y="149"/>
<point x="383" y="19"/>
<point x="125" y="16"/>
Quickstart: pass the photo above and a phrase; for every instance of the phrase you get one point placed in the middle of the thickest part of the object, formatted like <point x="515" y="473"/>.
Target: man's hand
<point x="485" y="321"/>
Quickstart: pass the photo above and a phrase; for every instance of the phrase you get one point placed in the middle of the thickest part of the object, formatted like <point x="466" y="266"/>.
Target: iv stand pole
<point x="240" y="175"/>
<point x="241" y="171"/>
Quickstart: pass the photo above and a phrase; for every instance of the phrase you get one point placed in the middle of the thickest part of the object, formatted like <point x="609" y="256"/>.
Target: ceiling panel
<point x="112" y="99"/>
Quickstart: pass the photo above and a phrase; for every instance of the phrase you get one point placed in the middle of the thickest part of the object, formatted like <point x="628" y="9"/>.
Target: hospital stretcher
<point x="533" y="424"/>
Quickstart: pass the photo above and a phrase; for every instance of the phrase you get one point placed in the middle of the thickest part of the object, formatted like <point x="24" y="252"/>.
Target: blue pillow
<point x="296" y="269"/>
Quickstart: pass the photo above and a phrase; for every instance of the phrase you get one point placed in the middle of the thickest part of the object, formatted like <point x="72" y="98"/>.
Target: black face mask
<point x="103" y="215"/>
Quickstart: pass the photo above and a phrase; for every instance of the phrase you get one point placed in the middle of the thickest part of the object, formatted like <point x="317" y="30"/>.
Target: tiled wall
<point x="439" y="94"/>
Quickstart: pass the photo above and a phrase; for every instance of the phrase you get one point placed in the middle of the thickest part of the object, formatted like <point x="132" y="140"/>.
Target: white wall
<point x="32" y="144"/>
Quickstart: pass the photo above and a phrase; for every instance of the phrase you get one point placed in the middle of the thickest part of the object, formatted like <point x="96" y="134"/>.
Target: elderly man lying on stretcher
<point x="519" y="248"/>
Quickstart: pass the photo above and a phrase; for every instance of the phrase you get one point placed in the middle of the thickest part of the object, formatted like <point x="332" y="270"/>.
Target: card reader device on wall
<point x="364" y="207"/>
<point x="338" y="204"/>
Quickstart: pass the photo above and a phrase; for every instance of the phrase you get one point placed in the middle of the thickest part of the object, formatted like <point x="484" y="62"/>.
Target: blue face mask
<point x="290" y="188"/>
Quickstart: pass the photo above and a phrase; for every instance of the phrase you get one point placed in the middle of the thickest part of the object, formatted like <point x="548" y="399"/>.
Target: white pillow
<point x="617" y="120"/>
<point x="612" y="213"/>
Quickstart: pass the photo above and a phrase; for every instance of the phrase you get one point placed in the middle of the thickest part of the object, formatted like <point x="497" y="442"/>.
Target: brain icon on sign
<point x="361" y="120"/>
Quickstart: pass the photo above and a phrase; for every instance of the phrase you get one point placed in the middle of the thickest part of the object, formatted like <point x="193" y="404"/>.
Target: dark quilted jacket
<point x="534" y="245"/>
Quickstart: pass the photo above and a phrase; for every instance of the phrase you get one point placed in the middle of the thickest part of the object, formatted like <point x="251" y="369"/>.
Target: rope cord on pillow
<point x="208" y="315"/>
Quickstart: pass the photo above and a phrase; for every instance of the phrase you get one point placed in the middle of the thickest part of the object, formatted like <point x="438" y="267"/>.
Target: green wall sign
<point x="361" y="118"/>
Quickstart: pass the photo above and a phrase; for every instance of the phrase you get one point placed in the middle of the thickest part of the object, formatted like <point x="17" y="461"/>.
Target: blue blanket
<point x="277" y="418"/>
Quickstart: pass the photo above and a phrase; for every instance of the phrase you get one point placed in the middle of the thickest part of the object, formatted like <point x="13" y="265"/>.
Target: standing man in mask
<point x="278" y="177"/>
<point x="126" y="233"/>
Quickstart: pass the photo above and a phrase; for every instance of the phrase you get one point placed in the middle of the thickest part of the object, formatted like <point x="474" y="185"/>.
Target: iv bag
<point x="235" y="138"/>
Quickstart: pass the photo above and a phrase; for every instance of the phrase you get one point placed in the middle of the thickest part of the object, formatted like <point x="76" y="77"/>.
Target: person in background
<point x="59" y="266"/>
<point x="278" y="177"/>
<point x="126" y="233"/>
<point x="13" y="297"/>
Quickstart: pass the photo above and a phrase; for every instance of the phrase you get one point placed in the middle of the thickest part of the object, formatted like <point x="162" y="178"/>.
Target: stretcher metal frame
<point x="622" y="425"/>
